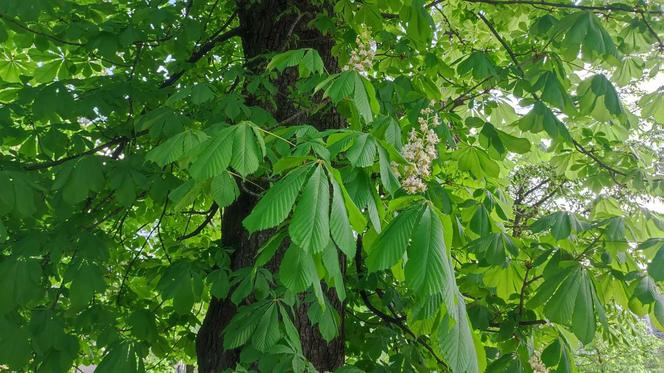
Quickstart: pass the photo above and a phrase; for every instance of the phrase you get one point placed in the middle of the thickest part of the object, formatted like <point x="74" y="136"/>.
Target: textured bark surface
<point x="268" y="26"/>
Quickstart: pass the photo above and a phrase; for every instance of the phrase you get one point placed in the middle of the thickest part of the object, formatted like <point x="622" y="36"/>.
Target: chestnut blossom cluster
<point x="420" y="151"/>
<point x="361" y="58"/>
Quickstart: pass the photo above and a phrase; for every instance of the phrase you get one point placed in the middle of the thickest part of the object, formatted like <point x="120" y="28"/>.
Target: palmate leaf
<point x="239" y="146"/>
<point x="297" y="271"/>
<point x="479" y="64"/>
<point x="350" y="84"/>
<point x="268" y="331"/>
<point x="310" y="224"/>
<point x="584" y="31"/>
<point x="541" y="118"/>
<point x="501" y="142"/>
<point x="121" y="357"/>
<point x="652" y="105"/>
<point x="492" y="249"/>
<point x="214" y="155"/>
<point x="278" y="201"/>
<point x="553" y="92"/>
<point x="598" y="98"/>
<point x="570" y="299"/>
<point x="176" y="147"/>
<point x="656" y="265"/>
<point x="390" y="246"/>
<point x="477" y="162"/>
<point x="20" y="280"/>
<point x="244" y="324"/>
<point x="561" y="223"/>
<point x="306" y="59"/>
<point x="363" y="151"/>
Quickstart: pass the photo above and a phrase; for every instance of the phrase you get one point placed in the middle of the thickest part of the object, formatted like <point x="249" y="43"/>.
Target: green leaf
<point x="630" y="68"/>
<point x="214" y="155"/>
<point x="176" y="147"/>
<point x="87" y="279"/>
<point x="243" y="324"/>
<point x="181" y="284"/>
<point x="340" y="228"/>
<point x="363" y="151"/>
<point x="307" y="60"/>
<point x="652" y="105"/>
<point x="77" y="179"/>
<point x="500" y="142"/>
<point x="477" y="162"/>
<point x="419" y="28"/>
<point x="480" y="223"/>
<point x="387" y="177"/>
<point x="493" y="249"/>
<point x="456" y="339"/>
<point x="393" y="240"/>
<point x="297" y="270"/>
<point x="220" y="285"/>
<point x="121" y="358"/>
<point x="479" y="64"/>
<point x="267" y="332"/>
<point x="427" y="268"/>
<point x="561" y="224"/>
<point x="584" y="31"/>
<point x="224" y="190"/>
<point x="350" y="84"/>
<point x="541" y="118"/>
<point x="15" y="346"/>
<point x="247" y="152"/>
<point x="554" y="92"/>
<point x="598" y="98"/>
<point x="20" y="280"/>
<point x="310" y="224"/>
<point x="656" y="266"/>
<point x="278" y="201"/>
<point x="570" y="293"/>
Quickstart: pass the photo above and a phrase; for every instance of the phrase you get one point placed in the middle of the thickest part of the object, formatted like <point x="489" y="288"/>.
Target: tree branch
<point x="385" y="317"/>
<point x="502" y="42"/>
<point x="213" y="210"/>
<point x="612" y="171"/>
<point x="212" y="42"/>
<point x="601" y="8"/>
<point x="42" y="165"/>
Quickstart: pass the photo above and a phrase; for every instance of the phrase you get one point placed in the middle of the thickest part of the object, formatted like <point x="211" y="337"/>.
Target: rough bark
<point x="268" y="26"/>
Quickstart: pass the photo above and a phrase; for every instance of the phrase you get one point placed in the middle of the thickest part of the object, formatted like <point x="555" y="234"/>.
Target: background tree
<point x="327" y="185"/>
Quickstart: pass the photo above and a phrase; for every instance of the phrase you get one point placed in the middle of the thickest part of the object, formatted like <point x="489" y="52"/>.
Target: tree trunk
<point x="270" y="26"/>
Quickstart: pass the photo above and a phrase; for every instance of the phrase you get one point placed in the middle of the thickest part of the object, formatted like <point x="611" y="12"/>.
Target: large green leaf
<point x="278" y="201"/>
<point x="599" y="98"/>
<point x="247" y="151"/>
<point x="363" y="151"/>
<point x="176" y="147"/>
<point x="541" y="118"/>
<point x="297" y="270"/>
<point x="310" y="224"/>
<point x="584" y="31"/>
<point x="569" y="292"/>
<point x="427" y="268"/>
<point x="456" y="339"/>
<point x="394" y="239"/>
<point x="340" y="228"/>
<point x="214" y="155"/>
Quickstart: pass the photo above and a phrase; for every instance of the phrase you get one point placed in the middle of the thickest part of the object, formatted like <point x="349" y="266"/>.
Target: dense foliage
<point x="482" y="207"/>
